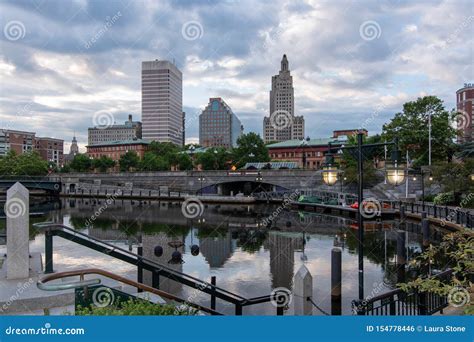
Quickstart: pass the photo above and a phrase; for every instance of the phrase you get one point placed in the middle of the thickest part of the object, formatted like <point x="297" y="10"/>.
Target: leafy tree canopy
<point x="129" y="161"/>
<point x="411" y="127"/>
<point x="29" y="163"/>
<point x="250" y="148"/>
<point x="81" y="163"/>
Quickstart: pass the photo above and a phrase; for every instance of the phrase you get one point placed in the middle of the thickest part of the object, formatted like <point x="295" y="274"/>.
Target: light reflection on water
<point x="246" y="259"/>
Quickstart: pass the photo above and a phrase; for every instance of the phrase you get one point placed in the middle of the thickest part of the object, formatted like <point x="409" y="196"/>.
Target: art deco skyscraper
<point x="282" y="124"/>
<point x="162" y="102"/>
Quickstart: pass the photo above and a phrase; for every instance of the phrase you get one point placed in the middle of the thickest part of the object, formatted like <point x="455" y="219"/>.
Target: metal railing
<point x="151" y="194"/>
<point x="456" y="215"/>
<point x="83" y="283"/>
<point x="142" y="263"/>
<point x="401" y="303"/>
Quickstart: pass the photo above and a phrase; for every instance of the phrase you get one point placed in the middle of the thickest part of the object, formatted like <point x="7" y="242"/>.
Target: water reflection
<point x="246" y="257"/>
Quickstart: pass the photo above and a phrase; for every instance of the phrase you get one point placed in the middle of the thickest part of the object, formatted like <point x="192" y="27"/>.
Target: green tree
<point x="29" y="163"/>
<point x="7" y="163"/>
<point x="81" y="163"/>
<point x="128" y="161"/>
<point x="250" y="148"/>
<point x="455" y="178"/>
<point x="349" y="162"/>
<point x="411" y="127"/>
<point x="214" y="159"/>
<point x="163" y="148"/>
<point x="103" y="164"/>
<point x="455" y="252"/>
<point x="466" y="150"/>
<point x="152" y="162"/>
<point x="182" y="161"/>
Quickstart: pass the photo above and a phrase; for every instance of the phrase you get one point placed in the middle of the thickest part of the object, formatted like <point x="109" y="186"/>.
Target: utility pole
<point x="406" y="177"/>
<point x="385" y="163"/>
<point x="360" y="217"/>
<point x="429" y="138"/>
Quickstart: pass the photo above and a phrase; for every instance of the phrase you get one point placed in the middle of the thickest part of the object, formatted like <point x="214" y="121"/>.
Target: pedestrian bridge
<point x="205" y="182"/>
<point x="48" y="184"/>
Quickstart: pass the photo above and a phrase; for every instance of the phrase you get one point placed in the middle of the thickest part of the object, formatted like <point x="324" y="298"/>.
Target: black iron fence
<point x="158" y="270"/>
<point x="401" y="303"/>
<point x="456" y="215"/>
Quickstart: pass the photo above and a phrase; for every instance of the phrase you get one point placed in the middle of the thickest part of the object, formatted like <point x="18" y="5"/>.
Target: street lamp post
<point x="304" y="143"/>
<point x="330" y="178"/>
<point x="422" y="174"/>
<point x="200" y="178"/>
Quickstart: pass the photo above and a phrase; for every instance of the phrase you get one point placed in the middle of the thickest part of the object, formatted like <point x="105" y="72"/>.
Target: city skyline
<point x="364" y="62"/>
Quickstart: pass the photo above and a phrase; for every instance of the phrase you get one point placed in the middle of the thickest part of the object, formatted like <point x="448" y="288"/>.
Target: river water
<point x="246" y="257"/>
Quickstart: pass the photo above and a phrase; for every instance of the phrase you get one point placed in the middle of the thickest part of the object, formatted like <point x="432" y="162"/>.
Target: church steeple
<point x="284" y="63"/>
<point x="74" y="148"/>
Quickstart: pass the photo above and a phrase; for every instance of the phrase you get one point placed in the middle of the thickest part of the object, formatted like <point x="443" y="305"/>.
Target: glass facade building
<point x="218" y="125"/>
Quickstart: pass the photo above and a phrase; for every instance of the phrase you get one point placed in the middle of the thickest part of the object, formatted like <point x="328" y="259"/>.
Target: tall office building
<point x="465" y="106"/>
<point x="162" y="102"/>
<point x="218" y="125"/>
<point x="282" y="124"/>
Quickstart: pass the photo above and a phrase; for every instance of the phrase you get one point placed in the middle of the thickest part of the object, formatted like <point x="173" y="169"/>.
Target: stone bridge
<point x="207" y="182"/>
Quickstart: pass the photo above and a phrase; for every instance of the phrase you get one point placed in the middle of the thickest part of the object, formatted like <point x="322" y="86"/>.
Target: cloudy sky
<point x="354" y="63"/>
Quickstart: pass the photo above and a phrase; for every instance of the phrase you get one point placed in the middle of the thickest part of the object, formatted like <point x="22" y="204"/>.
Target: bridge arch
<point x="234" y="187"/>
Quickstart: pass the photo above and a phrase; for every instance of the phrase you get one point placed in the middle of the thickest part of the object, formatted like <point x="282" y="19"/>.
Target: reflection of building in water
<point x="114" y="235"/>
<point x="161" y="239"/>
<point x="217" y="250"/>
<point x="282" y="249"/>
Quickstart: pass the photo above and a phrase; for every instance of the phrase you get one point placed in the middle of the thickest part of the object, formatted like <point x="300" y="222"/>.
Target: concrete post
<point x="18" y="222"/>
<point x="336" y="271"/>
<point x="302" y="290"/>
<point x="336" y="282"/>
<point x="401" y="251"/>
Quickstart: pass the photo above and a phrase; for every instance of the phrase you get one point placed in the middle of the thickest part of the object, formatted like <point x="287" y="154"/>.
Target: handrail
<point x="41" y="284"/>
<point x="396" y="291"/>
<point x="127" y="252"/>
<point x="66" y="286"/>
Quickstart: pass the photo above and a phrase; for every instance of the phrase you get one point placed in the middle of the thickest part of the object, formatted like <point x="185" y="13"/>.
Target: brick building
<point x="17" y="141"/>
<point x="465" y="105"/>
<point x="50" y="149"/>
<point x="116" y="149"/>
<point x="312" y="151"/>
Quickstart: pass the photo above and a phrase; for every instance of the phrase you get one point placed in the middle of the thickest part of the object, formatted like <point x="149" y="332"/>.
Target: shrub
<point x="444" y="198"/>
<point x="137" y="308"/>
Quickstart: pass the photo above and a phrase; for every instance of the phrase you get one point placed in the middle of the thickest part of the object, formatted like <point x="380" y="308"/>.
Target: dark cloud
<point x="80" y="57"/>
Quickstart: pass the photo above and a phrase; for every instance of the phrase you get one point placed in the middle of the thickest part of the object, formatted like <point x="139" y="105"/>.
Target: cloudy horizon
<point x="353" y="63"/>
